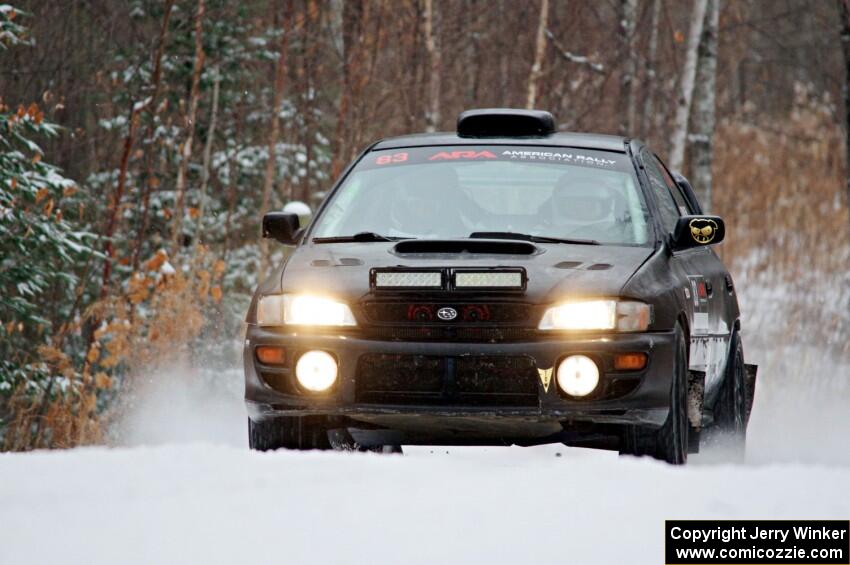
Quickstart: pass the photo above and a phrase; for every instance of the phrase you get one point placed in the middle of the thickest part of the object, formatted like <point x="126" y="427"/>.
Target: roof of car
<point x="561" y="139"/>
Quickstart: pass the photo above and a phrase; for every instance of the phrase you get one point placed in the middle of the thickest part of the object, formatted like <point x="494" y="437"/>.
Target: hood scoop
<point x="475" y="246"/>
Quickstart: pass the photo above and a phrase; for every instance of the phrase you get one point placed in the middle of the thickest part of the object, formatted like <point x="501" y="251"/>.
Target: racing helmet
<point x="421" y="202"/>
<point x="582" y="200"/>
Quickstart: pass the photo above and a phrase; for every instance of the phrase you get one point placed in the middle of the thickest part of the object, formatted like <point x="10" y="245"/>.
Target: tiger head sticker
<point x="703" y="230"/>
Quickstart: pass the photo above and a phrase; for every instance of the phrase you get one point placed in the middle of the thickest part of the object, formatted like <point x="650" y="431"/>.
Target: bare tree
<point x="153" y="109"/>
<point x="570" y="57"/>
<point x="647" y="118"/>
<point x="432" y="45"/>
<point x="114" y="208"/>
<point x="701" y="140"/>
<point x="205" y="169"/>
<point x="686" y="88"/>
<point x="310" y="64"/>
<point x="628" y="82"/>
<point x="844" y="11"/>
<point x="539" y="53"/>
<point x="349" y="21"/>
<point x="274" y="128"/>
<point x="190" y="120"/>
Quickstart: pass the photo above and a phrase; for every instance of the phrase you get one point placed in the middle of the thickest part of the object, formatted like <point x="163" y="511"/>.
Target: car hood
<point x="555" y="271"/>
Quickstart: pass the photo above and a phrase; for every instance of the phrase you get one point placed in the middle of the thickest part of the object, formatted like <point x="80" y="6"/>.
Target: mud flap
<point x="750" y="373"/>
<point x="696" y="397"/>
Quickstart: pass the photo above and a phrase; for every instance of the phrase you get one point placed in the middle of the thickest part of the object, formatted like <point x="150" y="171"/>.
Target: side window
<point x="666" y="205"/>
<point x="681" y="202"/>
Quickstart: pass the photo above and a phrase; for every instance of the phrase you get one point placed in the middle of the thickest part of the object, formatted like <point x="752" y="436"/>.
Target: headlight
<point x="303" y="310"/>
<point x="617" y="315"/>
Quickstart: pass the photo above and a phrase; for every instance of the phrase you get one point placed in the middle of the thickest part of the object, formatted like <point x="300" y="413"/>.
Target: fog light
<point x="629" y="361"/>
<point x="316" y="371"/>
<point x="578" y="375"/>
<point x="270" y="355"/>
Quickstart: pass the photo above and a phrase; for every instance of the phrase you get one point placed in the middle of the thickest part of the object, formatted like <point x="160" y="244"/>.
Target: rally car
<point x="502" y="284"/>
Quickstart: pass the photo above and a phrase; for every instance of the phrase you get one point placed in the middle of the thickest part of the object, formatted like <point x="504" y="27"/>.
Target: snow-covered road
<point x="210" y="504"/>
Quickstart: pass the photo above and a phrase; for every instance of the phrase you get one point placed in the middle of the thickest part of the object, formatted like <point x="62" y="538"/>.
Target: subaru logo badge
<point x="447" y="314"/>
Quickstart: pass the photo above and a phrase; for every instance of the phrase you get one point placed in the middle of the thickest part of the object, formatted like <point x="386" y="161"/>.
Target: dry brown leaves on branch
<point x="155" y="320"/>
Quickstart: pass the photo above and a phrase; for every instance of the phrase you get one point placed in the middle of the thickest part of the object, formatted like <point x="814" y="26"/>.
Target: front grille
<point x="468" y="313"/>
<point x="496" y="375"/>
<point x="400" y="373"/>
<point x="451" y="381"/>
<point x="483" y="322"/>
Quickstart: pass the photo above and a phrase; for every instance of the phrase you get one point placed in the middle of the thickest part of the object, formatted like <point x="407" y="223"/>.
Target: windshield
<point x="453" y="192"/>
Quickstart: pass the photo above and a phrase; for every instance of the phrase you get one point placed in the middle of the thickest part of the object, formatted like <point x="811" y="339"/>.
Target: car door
<point x="709" y="282"/>
<point x="690" y="268"/>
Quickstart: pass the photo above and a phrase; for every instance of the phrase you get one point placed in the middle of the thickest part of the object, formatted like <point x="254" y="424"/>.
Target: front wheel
<point x="670" y="442"/>
<point x="342" y="440"/>
<point x="288" y="432"/>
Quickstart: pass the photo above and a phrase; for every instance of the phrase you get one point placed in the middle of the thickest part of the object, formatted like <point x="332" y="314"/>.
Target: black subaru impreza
<point x="503" y="284"/>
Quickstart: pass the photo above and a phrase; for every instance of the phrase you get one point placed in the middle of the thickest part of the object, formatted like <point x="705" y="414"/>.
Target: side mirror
<point x="696" y="231"/>
<point x="282" y="227"/>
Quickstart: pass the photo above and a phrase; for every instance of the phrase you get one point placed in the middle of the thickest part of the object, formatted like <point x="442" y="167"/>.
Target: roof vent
<point x="505" y="122"/>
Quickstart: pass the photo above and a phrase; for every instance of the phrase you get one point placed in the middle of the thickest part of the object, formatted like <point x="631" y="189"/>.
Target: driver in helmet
<point x="582" y="207"/>
<point x="422" y="204"/>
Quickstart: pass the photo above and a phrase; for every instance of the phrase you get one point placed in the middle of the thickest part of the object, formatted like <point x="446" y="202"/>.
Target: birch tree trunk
<point x="628" y="82"/>
<point x="432" y="46"/>
<point x="539" y="53"/>
<point x="647" y="119"/>
<point x="844" y="11"/>
<point x="274" y="132"/>
<point x="701" y="141"/>
<point x="186" y="149"/>
<point x="686" y="89"/>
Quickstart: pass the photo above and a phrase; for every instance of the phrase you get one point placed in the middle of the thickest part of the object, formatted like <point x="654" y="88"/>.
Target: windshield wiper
<point x="529" y="237"/>
<point x="363" y="236"/>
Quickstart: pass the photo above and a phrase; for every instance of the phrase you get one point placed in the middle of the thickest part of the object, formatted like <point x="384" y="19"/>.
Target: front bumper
<point x="646" y="404"/>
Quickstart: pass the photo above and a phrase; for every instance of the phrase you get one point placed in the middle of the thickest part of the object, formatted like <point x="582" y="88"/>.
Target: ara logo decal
<point x="452" y="155"/>
<point x="447" y="314"/>
<point x="545" y="377"/>
<point x="703" y="230"/>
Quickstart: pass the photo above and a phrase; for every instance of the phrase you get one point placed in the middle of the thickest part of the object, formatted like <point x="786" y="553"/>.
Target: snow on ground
<point x="211" y="504"/>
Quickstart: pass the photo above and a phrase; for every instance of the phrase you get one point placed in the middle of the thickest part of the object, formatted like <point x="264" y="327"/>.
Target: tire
<point x="341" y="440"/>
<point x="288" y="432"/>
<point x="670" y="442"/>
<point x="730" y="409"/>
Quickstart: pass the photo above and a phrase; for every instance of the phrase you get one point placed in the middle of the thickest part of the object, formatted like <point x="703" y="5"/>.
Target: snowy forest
<point x="141" y="142"/>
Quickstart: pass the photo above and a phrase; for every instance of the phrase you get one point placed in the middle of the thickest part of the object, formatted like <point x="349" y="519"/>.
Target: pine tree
<point x="41" y="247"/>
